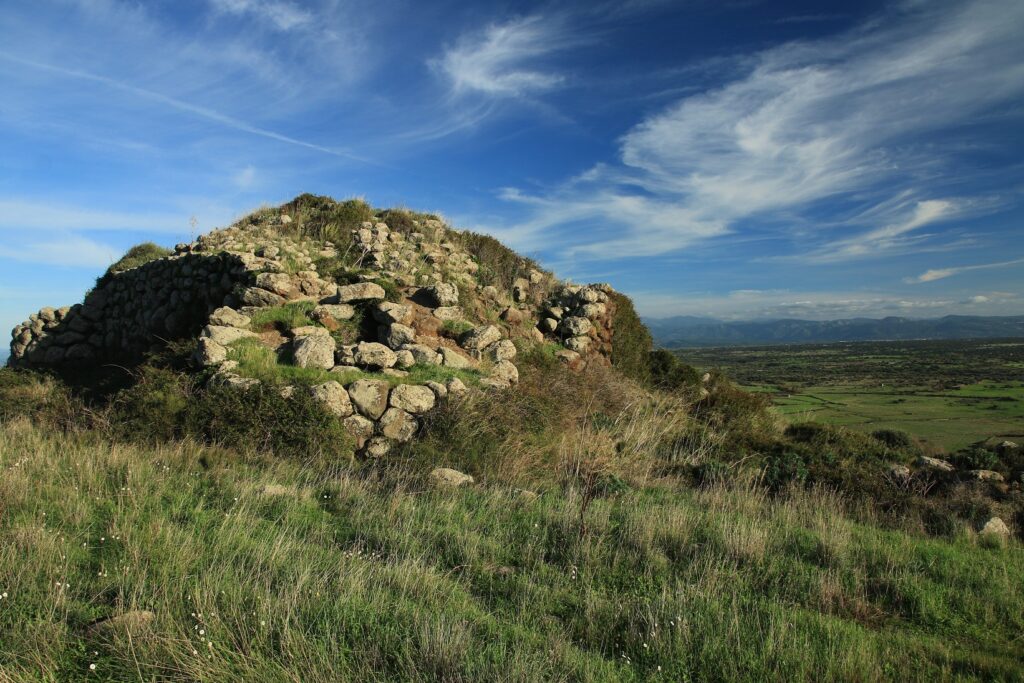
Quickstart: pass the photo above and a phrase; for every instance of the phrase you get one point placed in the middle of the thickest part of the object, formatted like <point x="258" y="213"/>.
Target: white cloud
<point x="68" y="250"/>
<point x="942" y="273"/>
<point x="502" y="60"/>
<point x="814" y="305"/>
<point x="180" y="105"/>
<point x="808" y="122"/>
<point x="245" y="178"/>
<point x="284" y="16"/>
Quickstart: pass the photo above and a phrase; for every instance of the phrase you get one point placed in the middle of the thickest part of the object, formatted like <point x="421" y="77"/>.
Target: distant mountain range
<point x="686" y="330"/>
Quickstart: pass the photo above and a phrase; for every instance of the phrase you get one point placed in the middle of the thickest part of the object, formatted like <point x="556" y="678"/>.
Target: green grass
<point x="953" y="418"/>
<point x="952" y="393"/>
<point x="283" y="317"/>
<point x="342" y="576"/>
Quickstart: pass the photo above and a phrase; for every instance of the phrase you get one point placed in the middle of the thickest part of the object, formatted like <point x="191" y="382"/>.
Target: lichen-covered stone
<point x="369" y="396"/>
<point x="480" y="338"/>
<point x="413" y="398"/>
<point x="229" y="317"/>
<point x="333" y="397"/>
<point x="361" y="291"/>
<point x="397" y="424"/>
<point x="314" y="351"/>
<point x="374" y="355"/>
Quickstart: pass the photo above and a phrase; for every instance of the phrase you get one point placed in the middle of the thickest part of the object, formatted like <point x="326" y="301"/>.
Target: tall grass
<point x="271" y="570"/>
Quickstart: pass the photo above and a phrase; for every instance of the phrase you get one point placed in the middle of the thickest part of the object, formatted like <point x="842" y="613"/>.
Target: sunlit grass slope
<point x="271" y="570"/>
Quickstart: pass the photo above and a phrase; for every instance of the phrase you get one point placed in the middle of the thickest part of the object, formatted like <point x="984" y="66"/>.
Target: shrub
<point x="153" y="409"/>
<point x="325" y="219"/>
<point x="45" y="401"/>
<point x="894" y="438"/>
<point x="499" y="265"/>
<point x="261" y="419"/>
<point x="668" y="373"/>
<point x="783" y="470"/>
<point x="164" y="405"/>
<point x="975" y="458"/>
<point x="631" y="341"/>
<point x="138" y="255"/>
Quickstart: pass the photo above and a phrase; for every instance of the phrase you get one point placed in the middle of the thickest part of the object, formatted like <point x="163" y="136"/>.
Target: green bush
<point x="45" y="401"/>
<point x="631" y="340"/>
<point x="325" y="219"/>
<point x="138" y="255"/>
<point x="261" y="419"/>
<point x="975" y="458"/>
<point x="154" y="408"/>
<point x="668" y="373"/>
<point x="499" y="265"/>
<point x="783" y="470"/>
<point x="163" y="405"/>
<point x="896" y="439"/>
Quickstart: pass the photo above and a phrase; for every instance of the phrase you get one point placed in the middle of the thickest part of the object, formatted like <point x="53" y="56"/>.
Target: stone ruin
<point x="418" y="296"/>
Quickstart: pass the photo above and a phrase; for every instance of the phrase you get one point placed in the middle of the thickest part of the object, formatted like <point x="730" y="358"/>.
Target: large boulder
<point x="505" y="371"/>
<point x="995" y="527"/>
<point x="441" y="294"/>
<point x="261" y="298"/>
<point x="397" y="424"/>
<point x="413" y="398"/>
<point x="225" y="336"/>
<point x="314" y="351"/>
<point x="575" y="326"/>
<point x="446" y="477"/>
<point x="389" y="312"/>
<point x="423" y="354"/>
<point x="501" y="350"/>
<point x="229" y="317"/>
<point x="369" y="396"/>
<point x="359" y="428"/>
<point x="934" y="464"/>
<point x="454" y="359"/>
<point x="209" y="352"/>
<point x="374" y="355"/>
<point x="396" y="335"/>
<point x="361" y="291"/>
<point x="333" y="397"/>
<point x="480" y="338"/>
<point x="278" y="283"/>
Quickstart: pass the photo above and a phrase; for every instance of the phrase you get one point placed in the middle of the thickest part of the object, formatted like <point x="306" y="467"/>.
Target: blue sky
<point x="734" y="159"/>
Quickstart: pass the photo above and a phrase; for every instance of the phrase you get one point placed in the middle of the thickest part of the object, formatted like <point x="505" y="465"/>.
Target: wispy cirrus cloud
<point x="504" y="60"/>
<point x="63" y="250"/>
<point x="283" y="16"/>
<point x="843" y="119"/>
<point x="942" y="273"/>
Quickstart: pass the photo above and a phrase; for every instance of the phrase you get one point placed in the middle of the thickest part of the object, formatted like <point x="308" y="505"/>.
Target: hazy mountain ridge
<point x="698" y="331"/>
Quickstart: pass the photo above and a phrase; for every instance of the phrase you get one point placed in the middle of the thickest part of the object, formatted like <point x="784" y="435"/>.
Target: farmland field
<point x="952" y="393"/>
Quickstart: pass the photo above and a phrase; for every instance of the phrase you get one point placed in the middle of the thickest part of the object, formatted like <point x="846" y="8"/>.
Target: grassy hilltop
<point x="629" y="517"/>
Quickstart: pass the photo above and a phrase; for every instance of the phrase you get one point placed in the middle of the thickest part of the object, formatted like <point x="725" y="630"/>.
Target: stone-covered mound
<point x="380" y="315"/>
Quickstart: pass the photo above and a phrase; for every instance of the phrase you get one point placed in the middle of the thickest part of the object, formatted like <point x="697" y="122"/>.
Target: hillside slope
<point x="332" y="442"/>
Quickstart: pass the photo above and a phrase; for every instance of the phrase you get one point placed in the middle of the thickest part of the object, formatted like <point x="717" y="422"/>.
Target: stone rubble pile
<point x="417" y="301"/>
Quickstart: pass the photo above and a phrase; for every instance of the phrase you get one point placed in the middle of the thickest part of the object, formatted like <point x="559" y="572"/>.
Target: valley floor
<point x="273" y="571"/>
<point x="951" y="392"/>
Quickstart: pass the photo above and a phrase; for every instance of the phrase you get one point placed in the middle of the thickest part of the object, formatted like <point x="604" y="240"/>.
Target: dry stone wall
<point x="130" y="312"/>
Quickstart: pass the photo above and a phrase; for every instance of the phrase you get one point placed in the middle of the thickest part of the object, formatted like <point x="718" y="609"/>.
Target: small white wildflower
<point x="92" y="667"/>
